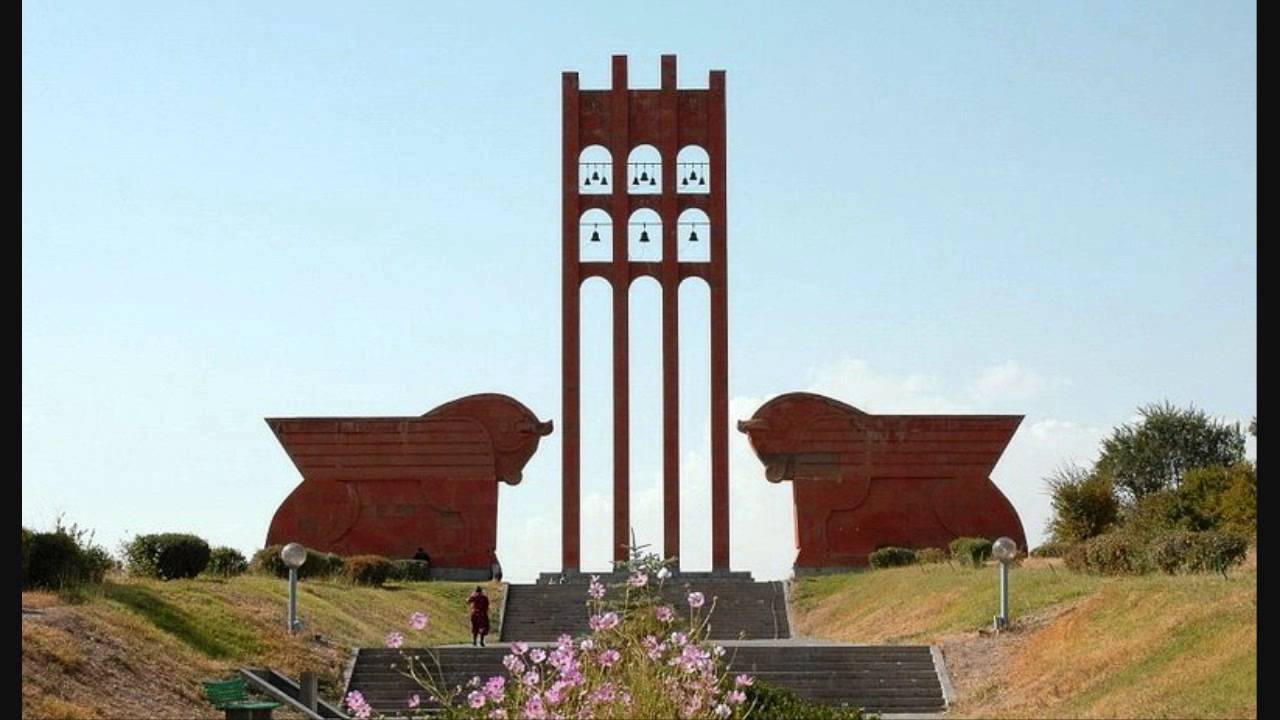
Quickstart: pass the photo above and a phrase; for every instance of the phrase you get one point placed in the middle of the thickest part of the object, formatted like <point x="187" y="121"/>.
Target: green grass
<point x="1146" y="646"/>
<point x="915" y="603"/>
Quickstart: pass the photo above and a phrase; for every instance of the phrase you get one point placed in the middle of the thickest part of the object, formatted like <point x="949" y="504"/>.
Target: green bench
<point x="231" y="696"/>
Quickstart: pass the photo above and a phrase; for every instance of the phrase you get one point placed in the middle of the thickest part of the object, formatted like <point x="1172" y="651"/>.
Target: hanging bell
<point x="635" y="181"/>
<point x="693" y="235"/>
<point x="653" y="180"/>
<point x="604" y="181"/>
<point x="644" y="236"/>
<point x="644" y="176"/>
<point x="684" y="181"/>
<point x="595" y="176"/>
<point x="595" y="236"/>
<point x="702" y="180"/>
<point x="588" y="182"/>
<point x="693" y="174"/>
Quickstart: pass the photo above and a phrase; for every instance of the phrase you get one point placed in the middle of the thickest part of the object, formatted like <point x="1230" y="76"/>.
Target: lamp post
<point x="1004" y="550"/>
<point x="293" y="555"/>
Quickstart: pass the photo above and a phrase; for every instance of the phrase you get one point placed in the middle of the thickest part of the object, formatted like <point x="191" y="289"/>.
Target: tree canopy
<point x="1155" y="453"/>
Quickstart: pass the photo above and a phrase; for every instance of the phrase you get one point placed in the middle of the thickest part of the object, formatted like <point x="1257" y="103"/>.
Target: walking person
<point x="479" y="604"/>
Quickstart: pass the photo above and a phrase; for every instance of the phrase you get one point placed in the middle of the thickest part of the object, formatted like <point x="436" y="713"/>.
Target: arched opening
<point x="693" y="170"/>
<point x="644" y="170"/>
<point x="693" y="236"/>
<point x="644" y="236"/>
<point x="695" y="424"/>
<point x="645" y="410"/>
<point x="595" y="236"/>
<point x="595" y="171"/>
<point x="595" y="382"/>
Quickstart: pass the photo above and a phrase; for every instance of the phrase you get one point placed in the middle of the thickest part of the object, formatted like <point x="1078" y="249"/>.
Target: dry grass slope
<point x="1081" y="646"/>
<point x="139" y="648"/>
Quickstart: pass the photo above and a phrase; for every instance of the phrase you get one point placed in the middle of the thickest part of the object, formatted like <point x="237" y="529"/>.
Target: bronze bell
<point x="693" y="236"/>
<point x="644" y="236"/>
<point x="595" y="236"/>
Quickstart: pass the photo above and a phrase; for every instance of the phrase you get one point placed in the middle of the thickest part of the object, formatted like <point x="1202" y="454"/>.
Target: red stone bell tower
<point x="683" y="177"/>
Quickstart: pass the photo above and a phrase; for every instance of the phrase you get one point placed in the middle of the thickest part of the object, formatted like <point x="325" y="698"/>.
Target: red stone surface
<point x="861" y="481"/>
<point x="389" y="485"/>
<point x="621" y="119"/>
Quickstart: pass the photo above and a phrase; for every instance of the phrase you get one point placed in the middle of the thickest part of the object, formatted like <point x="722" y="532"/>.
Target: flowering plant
<point x="640" y="659"/>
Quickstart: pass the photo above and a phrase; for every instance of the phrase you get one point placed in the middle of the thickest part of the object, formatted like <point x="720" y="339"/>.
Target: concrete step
<point x="736" y="608"/>
<point x="889" y="679"/>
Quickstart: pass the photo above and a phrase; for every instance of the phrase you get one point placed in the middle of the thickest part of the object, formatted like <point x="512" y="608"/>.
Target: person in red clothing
<point x="479" y="604"/>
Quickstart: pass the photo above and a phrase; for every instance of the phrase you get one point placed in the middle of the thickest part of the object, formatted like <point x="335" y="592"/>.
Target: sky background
<point x="232" y="211"/>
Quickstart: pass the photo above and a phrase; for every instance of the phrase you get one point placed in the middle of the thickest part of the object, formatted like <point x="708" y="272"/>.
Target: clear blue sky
<point x="239" y="210"/>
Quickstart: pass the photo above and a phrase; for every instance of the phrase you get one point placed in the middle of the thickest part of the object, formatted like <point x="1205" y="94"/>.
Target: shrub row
<point x="410" y="570"/>
<point x="1121" y="553"/>
<point x="971" y="550"/>
<point x="887" y="557"/>
<point x="226" y="562"/>
<point x="1052" y="550"/>
<point x="167" y="556"/>
<point x="62" y="559"/>
<point x="317" y="565"/>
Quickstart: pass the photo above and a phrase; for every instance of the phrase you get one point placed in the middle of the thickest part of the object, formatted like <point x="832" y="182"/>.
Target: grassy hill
<point x="1080" y="646"/>
<point x="139" y="648"/>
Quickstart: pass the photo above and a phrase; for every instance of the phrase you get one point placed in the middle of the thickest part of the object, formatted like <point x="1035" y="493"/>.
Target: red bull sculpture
<point x="391" y="485"/>
<point x="861" y="482"/>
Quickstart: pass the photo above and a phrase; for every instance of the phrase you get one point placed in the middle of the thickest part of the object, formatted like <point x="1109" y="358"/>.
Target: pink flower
<point x="418" y="621"/>
<point x="556" y="692"/>
<point x="722" y="711"/>
<point x="498" y="714"/>
<point x="513" y="664"/>
<point x="518" y="647"/>
<point x="495" y="687"/>
<point x="595" y="589"/>
<point x="476" y="699"/>
<point x="359" y="707"/>
<point x="744" y="680"/>
<point x="534" y="709"/>
<point x="607" y="621"/>
<point x="530" y="678"/>
<point x="609" y="658"/>
<point x="679" y="638"/>
<point x="537" y="655"/>
<point x="587" y="644"/>
<point x="414" y="701"/>
<point x="652" y="647"/>
<point x="638" y="580"/>
<point x="737" y="697"/>
<point x="664" y="613"/>
<point x="696" y="599"/>
<point x="394" y="639"/>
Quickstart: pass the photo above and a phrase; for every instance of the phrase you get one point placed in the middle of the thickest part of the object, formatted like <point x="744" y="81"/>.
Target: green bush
<point x="1052" y="550"/>
<point x="1158" y="512"/>
<point x="1209" y="551"/>
<point x="57" y="561"/>
<point x="366" y="570"/>
<point x="769" y="702"/>
<point x="971" y="550"/>
<point x="410" y="570"/>
<point x="929" y="556"/>
<point x="1113" y="553"/>
<point x="167" y="556"/>
<point x="1084" y="504"/>
<point x="26" y="552"/>
<point x="887" y="557"/>
<point x="1222" y="498"/>
<point x="226" y="562"/>
<point x="317" y="564"/>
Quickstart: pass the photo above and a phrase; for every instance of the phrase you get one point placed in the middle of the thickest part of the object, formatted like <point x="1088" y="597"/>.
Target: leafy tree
<point x="1084" y="504"/>
<point x="1156" y="452"/>
<point x="1222" y="498"/>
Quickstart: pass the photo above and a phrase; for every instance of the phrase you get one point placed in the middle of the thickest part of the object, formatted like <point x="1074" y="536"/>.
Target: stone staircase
<point x="880" y="679"/>
<point x="749" y="620"/>
<point x="742" y="609"/>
